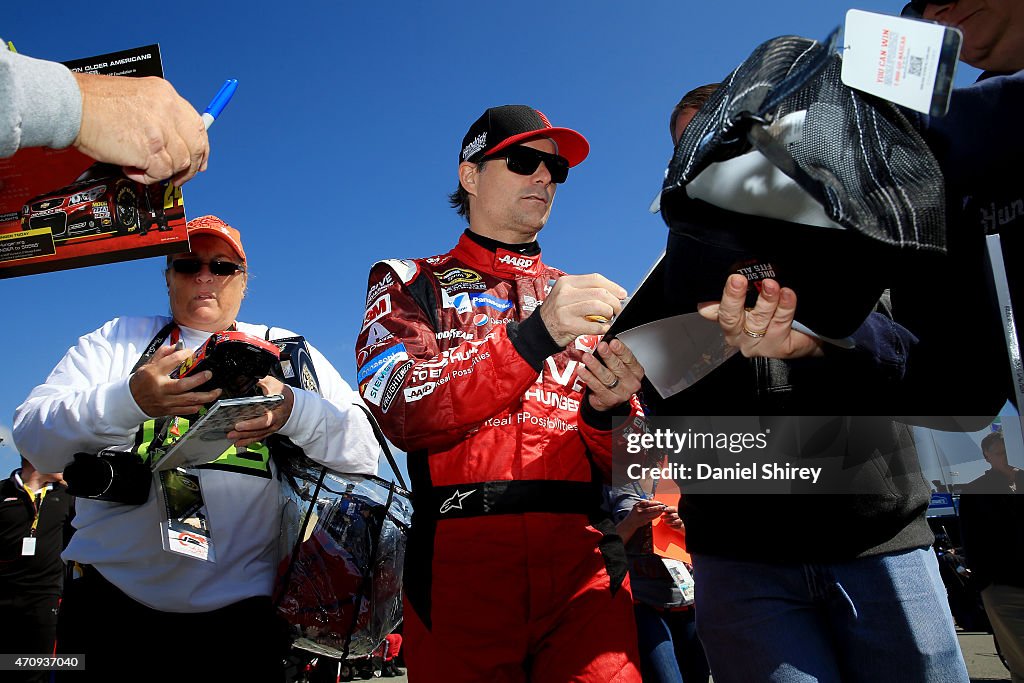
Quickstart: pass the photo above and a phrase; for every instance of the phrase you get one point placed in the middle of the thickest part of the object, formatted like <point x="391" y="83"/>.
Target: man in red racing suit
<point x="512" y="572"/>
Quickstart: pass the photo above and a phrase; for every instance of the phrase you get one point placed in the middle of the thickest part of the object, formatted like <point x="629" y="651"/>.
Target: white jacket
<point x="86" y="405"/>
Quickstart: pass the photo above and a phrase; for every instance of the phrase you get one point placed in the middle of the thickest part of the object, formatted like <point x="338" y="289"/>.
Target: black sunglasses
<point x="191" y="266"/>
<point x="526" y="161"/>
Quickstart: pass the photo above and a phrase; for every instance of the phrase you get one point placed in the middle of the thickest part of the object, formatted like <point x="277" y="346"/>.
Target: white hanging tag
<point x="906" y="61"/>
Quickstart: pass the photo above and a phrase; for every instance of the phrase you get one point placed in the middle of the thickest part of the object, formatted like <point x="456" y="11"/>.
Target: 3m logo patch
<point x="377" y="310"/>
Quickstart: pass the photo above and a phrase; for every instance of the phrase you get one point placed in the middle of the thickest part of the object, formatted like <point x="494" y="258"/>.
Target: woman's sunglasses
<point x="191" y="266"/>
<point x="526" y="161"/>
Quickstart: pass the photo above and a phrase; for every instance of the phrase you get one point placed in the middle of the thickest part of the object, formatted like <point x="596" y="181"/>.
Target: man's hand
<point x="159" y="395"/>
<point x="613" y="382"/>
<point x="572" y="299"/>
<point x="766" y="330"/>
<point x="143" y="125"/>
<point x="644" y="512"/>
<point x="259" y="428"/>
<point x="670" y="517"/>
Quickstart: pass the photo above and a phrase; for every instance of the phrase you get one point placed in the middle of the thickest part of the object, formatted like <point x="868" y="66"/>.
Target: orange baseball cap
<point x="211" y="225"/>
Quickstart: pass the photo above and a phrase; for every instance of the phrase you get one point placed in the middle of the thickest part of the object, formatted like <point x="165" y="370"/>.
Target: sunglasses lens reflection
<point x="191" y="266"/>
<point x="525" y="161"/>
<point x="186" y="266"/>
<point x="224" y="268"/>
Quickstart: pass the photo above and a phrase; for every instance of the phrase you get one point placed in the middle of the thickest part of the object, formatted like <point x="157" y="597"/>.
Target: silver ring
<point x="613" y="384"/>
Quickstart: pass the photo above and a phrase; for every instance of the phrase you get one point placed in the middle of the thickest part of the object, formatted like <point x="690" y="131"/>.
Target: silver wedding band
<point x="613" y="384"/>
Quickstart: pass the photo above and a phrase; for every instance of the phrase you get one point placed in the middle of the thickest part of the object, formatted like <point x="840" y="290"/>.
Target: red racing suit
<point x="512" y="572"/>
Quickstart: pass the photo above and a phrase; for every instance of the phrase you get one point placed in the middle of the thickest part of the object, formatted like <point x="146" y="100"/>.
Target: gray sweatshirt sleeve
<point x="40" y="104"/>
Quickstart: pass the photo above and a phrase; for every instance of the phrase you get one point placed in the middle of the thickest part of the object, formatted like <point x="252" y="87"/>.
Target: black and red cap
<point x="501" y="127"/>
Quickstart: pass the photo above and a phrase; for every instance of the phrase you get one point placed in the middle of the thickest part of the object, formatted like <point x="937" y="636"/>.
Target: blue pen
<point x="220" y="100"/>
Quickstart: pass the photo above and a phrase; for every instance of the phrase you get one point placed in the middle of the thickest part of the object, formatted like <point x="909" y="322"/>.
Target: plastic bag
<point x="342" y="594"/>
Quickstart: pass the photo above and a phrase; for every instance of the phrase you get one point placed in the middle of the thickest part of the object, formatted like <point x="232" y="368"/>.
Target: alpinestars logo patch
<point x="455" y="502"/>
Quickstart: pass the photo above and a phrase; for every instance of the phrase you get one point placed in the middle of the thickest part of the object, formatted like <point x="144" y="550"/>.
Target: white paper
<point x="677" y="352"/>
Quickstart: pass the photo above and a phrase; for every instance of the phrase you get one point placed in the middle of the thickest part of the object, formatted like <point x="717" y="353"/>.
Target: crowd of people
<point x="487" y="366"/>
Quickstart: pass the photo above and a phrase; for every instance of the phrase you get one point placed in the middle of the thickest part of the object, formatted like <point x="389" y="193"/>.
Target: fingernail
<point x="736" y="283"/>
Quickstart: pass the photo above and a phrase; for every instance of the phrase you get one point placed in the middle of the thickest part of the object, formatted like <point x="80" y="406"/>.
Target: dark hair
<point x="695" y="99"/>
<point x="993" y="439"/>
<point x="459" y="200"/>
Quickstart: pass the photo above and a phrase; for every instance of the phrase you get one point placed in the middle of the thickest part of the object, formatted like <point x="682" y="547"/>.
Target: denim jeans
<point x="669" y="649"/>
<point x="877" y="619"/>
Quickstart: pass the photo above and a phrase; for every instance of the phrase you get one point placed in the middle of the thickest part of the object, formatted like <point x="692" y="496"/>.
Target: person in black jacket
<point x="35" y="524"/>
<point x="979" y="147"/>
<point x="991" y="511"/>
<point x="811" y="586"/>
<point x="1002" y="477"/>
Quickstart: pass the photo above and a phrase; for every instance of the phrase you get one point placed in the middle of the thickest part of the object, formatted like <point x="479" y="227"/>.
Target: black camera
<point x="238" y="361"/>
<point x="113" y="476"/>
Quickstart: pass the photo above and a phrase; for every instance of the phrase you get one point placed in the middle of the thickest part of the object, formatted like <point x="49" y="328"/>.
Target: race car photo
<point x="102" y="202"/>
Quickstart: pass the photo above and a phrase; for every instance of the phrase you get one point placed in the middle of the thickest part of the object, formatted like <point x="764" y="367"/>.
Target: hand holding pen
<point x="142" y="125"/>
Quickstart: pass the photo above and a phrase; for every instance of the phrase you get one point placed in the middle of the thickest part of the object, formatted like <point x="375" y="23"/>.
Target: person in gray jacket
<point x="141" y="124"/>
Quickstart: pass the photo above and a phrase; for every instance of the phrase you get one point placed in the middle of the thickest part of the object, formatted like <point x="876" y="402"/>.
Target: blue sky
<point x="341" y="143"/>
